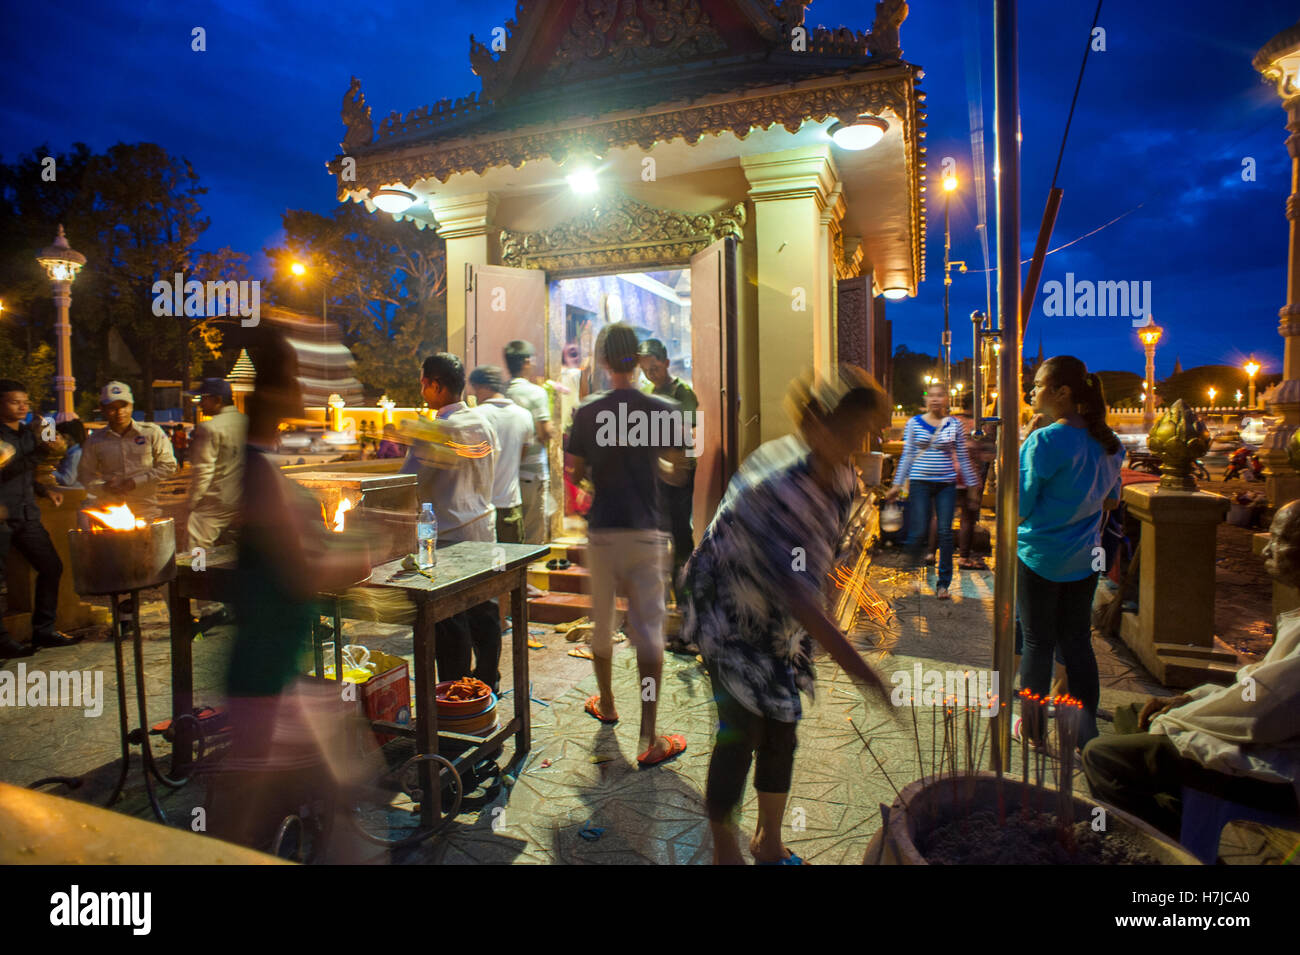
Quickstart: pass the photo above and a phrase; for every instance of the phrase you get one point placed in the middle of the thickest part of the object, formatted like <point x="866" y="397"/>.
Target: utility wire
<point x="1078" y="83"/>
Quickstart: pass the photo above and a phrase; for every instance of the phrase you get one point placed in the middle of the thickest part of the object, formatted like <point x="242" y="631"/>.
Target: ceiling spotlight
<point x="393" y="200"/>
<point x="863" y="133"/>
<point x="583" y="180"/>
<point x="894" y="294"/>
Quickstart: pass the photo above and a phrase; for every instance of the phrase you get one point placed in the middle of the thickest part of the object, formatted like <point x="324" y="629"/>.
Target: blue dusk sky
<point x="1167" y="115"/>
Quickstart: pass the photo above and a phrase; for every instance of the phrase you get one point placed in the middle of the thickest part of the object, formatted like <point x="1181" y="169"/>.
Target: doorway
<point x="657" y="304"/>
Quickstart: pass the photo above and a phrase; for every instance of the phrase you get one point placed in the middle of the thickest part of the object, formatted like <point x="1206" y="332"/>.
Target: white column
<point x="64" y="383"/>
<point x="790" y="191"/>
<point x="465" y="222"/>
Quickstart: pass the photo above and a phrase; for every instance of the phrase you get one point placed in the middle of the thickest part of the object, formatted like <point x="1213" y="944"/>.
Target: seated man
<point x="1239" y="742"/>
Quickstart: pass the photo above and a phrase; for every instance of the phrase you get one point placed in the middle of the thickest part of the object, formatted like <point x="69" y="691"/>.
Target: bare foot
<point x="767" y="850"/>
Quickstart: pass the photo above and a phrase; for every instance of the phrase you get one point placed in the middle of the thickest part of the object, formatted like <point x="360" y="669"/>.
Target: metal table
<point x="467" y="573"/>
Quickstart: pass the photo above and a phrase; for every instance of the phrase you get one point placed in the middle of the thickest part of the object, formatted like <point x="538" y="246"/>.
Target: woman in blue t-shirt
<point x="1069" y="475"/>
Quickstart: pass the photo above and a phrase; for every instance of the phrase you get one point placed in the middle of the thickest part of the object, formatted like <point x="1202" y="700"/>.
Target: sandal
<point x="559" y="563"/>
<point x="582" y="653"/>
<point x="676" y="746"/>
<point x="571" y="624"/>
<point x="790" y="859"/>
<point x="593" y="708"/>
<point x="942" y="594"/>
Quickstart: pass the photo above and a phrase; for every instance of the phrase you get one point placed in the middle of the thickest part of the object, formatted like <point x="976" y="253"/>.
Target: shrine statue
<point x="883" y="41"/>
<point x="356" y="117"/>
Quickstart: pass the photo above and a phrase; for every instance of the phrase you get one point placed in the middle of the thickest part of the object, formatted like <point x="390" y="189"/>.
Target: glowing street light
<point x="1212" y="393"/>
<point x="1252" y="368"/>
<point x="1150" y="337"/>
<point x="62" y="265"/>
<point x="1239" y="397"/>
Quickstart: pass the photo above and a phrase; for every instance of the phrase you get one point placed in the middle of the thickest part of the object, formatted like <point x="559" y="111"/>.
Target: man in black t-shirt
<point x="618" y="437"/>
<point x="21" y="452"/>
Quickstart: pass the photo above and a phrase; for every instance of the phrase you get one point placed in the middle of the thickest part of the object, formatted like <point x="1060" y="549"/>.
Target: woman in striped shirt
<point x="934" y="450"/>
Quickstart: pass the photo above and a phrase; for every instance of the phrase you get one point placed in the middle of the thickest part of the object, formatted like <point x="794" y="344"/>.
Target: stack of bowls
<point x="475" y="717"/>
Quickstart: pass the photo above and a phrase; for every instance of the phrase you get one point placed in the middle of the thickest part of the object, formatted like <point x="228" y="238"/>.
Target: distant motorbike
<point x="1243" y="458"/>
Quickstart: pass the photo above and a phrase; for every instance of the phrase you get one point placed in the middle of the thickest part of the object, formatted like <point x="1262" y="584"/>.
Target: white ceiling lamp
<point x="894" y="294"/>
<point x="393" y="200"/>
<point x="857" y="134"/>
<point x="583" y="180"/>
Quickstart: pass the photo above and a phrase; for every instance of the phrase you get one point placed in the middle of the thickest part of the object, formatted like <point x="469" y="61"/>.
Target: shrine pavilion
<point x="723" y="176"/>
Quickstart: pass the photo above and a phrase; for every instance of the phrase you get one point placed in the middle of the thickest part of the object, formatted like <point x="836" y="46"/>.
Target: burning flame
<point x="340" y="514"/>
<point x="117" y="517"/>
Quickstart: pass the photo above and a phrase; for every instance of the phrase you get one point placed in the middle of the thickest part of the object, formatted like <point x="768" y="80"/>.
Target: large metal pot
<point x="108" y="561"/>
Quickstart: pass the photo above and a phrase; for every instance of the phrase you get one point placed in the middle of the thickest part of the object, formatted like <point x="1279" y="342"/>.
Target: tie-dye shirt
<point x="776" y="533"/>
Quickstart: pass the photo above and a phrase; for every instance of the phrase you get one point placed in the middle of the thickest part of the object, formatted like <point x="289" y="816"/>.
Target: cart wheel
<point x="291" y="821"/>
<point x="413" y="836"/>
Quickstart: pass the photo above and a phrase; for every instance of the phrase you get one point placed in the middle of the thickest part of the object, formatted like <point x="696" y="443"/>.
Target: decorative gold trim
<point x="787" y="108"/>
<point x="617" y="231"/>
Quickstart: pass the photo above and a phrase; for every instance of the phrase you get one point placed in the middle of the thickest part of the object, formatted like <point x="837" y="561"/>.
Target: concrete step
<point x="561" y="608"/>
<point x="575" y="580"/>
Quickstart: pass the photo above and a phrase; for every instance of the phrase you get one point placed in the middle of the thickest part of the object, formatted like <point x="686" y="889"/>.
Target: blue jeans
<point x="1058" y="616"/>
<point x="925" y="497"/>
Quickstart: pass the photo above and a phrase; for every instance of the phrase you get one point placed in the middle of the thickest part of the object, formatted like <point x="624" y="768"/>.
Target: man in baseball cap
<point x="217" y="459"/>
<point x="123" y="462"/>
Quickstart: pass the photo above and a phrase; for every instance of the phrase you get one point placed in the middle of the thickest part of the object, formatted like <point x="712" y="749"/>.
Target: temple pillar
<point x="790" y="191"/>
<point x="465" y="222"/>
<point x="1173" y="633"/>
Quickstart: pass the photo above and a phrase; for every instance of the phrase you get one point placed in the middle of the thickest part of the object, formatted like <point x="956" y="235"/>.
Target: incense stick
<point x="867" y="744"/>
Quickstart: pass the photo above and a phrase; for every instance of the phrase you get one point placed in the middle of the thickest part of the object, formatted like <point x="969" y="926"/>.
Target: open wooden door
<point x="502" y="304"/>
<point x="714" y="293"/>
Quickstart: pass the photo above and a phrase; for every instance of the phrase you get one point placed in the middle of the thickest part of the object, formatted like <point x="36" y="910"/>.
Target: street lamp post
<point x="949" y="186"/>
<point x="62" y="265"/>
<point x="1279" y="61"/>
<point x="1252" y="368"/>
<point x="977" y="322"/>
<point x="1150" y="336"/>
<point x="1212" y="392"/>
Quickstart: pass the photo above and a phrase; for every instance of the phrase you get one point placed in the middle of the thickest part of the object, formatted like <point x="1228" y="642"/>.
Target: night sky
<point x="1166" y="116"/>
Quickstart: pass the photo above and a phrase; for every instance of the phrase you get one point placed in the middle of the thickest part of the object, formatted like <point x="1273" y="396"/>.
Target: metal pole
<point x="1007" y="111"/>
<point x="977" y="319"/>
<point x="1149" y="412"/>
<point x="946" y="344"/>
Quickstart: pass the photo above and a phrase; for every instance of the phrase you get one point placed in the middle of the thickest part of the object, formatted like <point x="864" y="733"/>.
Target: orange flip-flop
<point x="676" y="746"/>
<point x="593" y="707"/>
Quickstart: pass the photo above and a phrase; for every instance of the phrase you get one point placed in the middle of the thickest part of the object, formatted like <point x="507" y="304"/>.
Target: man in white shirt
<point x="123" y="463"/>
<point x="217" y="460"/>
<point x="455" y="474"/>
<point x="1240" y="742"/>
<point x="514" y="428"/>
<point x="534" y="470"/>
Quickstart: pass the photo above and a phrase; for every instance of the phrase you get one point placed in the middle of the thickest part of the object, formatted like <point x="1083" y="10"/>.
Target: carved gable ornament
<point x="618" y="231"/>
<point x="607" y="36"/>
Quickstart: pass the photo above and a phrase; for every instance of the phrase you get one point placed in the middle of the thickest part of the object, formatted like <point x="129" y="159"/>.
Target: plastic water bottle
<point x="426" y="538"/>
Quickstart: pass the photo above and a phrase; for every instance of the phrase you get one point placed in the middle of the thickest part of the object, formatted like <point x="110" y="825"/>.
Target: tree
<point x="386" y="288"/>
<point x="1121" y="388"/>
<point x="909" y="370"/>
<point x="134" y="212"/>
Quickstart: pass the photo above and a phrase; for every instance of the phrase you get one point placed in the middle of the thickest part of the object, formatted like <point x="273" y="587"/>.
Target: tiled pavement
<point x="590" y="778"/>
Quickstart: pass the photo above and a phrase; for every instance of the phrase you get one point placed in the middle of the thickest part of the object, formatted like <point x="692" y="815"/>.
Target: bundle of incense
<point x="380" y="604"/>
<point x="1025" y="697"/>
<point x="440" y="444"/>
<point x="1069" y="713"/>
